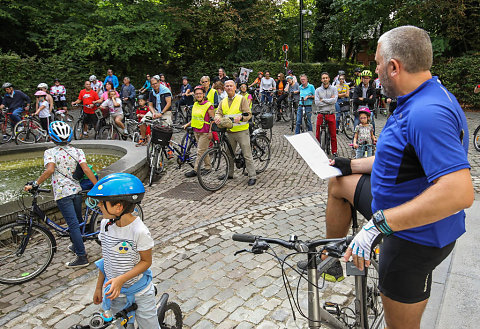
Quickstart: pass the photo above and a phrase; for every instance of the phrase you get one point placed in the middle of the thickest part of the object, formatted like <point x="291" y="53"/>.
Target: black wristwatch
<point x="380" y="223"/>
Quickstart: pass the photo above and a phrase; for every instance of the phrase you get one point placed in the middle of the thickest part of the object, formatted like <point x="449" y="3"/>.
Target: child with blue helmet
<point x="125" y="276"/>
<point x="60" y="163"/>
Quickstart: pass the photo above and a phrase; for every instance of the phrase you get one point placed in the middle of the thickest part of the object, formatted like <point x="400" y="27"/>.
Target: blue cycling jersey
<point x="425" y="138"/>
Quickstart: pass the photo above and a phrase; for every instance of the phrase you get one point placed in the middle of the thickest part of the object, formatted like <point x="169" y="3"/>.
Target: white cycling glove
<point x="363" y="241"/>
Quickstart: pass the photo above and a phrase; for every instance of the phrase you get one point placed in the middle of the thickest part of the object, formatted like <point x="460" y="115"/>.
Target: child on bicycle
<point x="142" y="109"/>
<point x="43" y="111"/>
<point x="61" y="162"/>
<point x="114" y="105"/>
<point x="364" y="136"/>
<point x="125" y="276"/>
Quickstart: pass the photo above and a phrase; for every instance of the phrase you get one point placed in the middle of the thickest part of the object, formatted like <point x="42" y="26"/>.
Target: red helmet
<point x="365" y="110"/>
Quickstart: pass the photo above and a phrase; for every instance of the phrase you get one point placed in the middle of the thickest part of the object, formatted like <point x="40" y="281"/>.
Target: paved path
<point x="193" y="256"/>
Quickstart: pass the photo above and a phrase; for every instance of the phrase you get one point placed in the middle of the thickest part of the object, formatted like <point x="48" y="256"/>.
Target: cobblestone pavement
<point x="193" y="256"/>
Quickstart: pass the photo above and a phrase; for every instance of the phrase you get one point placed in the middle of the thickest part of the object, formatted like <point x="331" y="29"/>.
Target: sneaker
<point x="85" y="133"/>
<point x="125" y="131"/>
<point x="71" y="248"/>
<point x="69" y="120"/>
<point x="192" y="173"/>
<point x="223" y="177"/>
<point x="333" y="274"/>
<point x="80" y="261"/>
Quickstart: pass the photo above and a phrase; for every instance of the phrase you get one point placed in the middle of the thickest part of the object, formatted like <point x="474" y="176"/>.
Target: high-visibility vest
<point x="198" y="115"/>
<point x="234" y="111"/>
<point x="211" y="96"/>
<point x="246" y="97"/>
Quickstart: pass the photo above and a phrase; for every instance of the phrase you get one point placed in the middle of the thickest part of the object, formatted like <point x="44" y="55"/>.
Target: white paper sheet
<point x="309" y="149"/>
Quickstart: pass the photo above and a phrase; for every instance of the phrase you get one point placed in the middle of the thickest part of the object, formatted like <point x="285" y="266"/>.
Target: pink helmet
<point x="364" y="110"/>
<point x="40" y="93"/>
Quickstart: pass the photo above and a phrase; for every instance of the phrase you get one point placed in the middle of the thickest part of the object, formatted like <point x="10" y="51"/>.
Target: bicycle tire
<point x="216" y="177"/>
<point x="31" y="132"/>
<point x="476" y="139"/>
<point x="368" y="298"/>
<point x="191" y="153"/>
<point x="161" y="160"/>
<point x="323" y="140"/>
<point x="348" y="127"/>
<point x="78" y="129"/>
<point x="293" y="119"/>
<point x="36" y="257"/>
<point x="7" y="133"/>
<point x="286" y="113"/>
<point x="170" y="317"/>
<point x="261" y="153"/>
<point x="153" y="163"/>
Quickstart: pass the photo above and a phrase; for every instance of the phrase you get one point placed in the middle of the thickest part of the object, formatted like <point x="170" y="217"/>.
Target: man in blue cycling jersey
<point x="416" y="186"/>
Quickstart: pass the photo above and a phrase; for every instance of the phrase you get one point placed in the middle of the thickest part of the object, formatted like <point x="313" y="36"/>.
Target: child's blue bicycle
<point x="169" y="316"/>
<point x="27" y="246"/>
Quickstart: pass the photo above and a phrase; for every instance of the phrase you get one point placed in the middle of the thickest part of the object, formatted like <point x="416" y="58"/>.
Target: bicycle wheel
<point x="161" y="160"/>
<point x="213" y="179"/>
<point x="286" y="113"/>
<point x="476" y="139"/>
<point x="323" y="140"/>
<point x="28" y="132"/>
<point x="108" y="132"/>
<point x="40" y="246"/>
<point x="293" y="118"/>
<point x="348" y="127"/>
<point x="150" y="146"/>
<point x="368" y="298"/>
<point x="191" y="153"/>
<point x="261" y="153"/>
<point x="6" y="131"/>
<point x="153" y="165"/>
<point x="78" y="129"/>
<point x="170" y="317"/>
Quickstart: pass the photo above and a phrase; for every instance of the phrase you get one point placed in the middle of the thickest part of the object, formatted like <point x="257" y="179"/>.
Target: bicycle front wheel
<point x="261" y="153"/>
<point x="323" y="140"/>
<point x="170" y="317"/>
<point x="78" y="129"/>
<point x="476" y="139"/>
<point x="213" y="175"/>
<point x="367" y="295"/>
<point x="7" y="132"/>
<point x="348" y="127"/>
<point x="153" y="165"/>
<point x="16" y="266"/>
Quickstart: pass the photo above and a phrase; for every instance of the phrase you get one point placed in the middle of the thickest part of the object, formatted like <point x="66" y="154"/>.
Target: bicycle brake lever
<point x="259" y="247"/>
<point x="240" y="251"/>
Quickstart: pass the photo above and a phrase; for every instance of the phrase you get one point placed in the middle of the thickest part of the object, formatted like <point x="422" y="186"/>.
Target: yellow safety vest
<point x="211" y="95"/>
<point x="246" y="97"/>
<point x="234" y="111"/>
<point x="198" y="115"/>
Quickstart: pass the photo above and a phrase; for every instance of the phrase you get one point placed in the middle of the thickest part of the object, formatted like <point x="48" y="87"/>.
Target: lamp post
<point x="302" y="13"/>
<point x="306" y="35"/>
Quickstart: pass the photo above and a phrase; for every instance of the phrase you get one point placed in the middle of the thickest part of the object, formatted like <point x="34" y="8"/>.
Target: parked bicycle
<point x="476" y="138"/>
<point x="366" y="308"/>
<point x="324" y="134"/>
<point x="345" y="124"/>
<point x="161" y="144"/>
<point x="79" y="126"/>
<point x="169" y="316"/>
<point x="29" y="130"/>
<point x="6" y="126"/>
<point x="303" y="123"/>
<point x="214" y="178"/>
<point x="27" y="246"/>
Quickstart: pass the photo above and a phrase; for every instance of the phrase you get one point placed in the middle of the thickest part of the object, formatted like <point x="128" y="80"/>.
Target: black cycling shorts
<point x="362" y="199"/>
<point x="405" y="268"/>
<point x="90" y="119"/>
<point x="60" y="104"/>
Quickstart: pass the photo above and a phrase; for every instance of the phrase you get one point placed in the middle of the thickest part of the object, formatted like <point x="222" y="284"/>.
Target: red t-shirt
<point x="87" y="98"/>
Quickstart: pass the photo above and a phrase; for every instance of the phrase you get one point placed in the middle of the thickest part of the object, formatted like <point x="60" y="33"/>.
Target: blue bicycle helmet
<point x="60" y="132"/>
<point x="118" y="186"/>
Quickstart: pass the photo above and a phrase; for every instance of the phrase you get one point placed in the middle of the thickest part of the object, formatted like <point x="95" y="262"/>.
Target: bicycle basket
<point x="161" y="135"/>
<point x="266" y="120"/>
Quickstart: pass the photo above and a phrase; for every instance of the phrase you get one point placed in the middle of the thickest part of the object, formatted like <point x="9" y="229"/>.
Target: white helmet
<point x="92" y="78"/>
<point x="60" y="132"/>
<point x="42" y="85"/>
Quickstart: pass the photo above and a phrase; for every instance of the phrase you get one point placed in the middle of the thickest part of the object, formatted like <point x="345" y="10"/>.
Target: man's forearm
<point x="362" y="166"/>
<point x="450" y="193"/>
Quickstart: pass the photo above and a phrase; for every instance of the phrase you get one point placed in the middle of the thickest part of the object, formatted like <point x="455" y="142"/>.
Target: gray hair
<point x="303" y="75"/>
<point x="409" y="45"/>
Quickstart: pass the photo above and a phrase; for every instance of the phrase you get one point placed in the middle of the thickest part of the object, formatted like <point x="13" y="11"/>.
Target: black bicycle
<point x="345" y="124"/>
<point x="214" y="177"/>
<point x="476" y="138"/>
<point x="324" y="134"/>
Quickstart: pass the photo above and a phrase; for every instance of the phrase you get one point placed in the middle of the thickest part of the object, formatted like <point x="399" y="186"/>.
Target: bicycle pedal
<point x="332" y="308"/>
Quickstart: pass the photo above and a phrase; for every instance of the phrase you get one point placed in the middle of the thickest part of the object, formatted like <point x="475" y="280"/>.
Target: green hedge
<point x="457" y="74"/>
<point x="460" y="76"/>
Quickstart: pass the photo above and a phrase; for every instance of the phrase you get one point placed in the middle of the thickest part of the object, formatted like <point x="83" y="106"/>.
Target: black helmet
<point x="358" y="70"/>
<point x="7" y="85"/>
